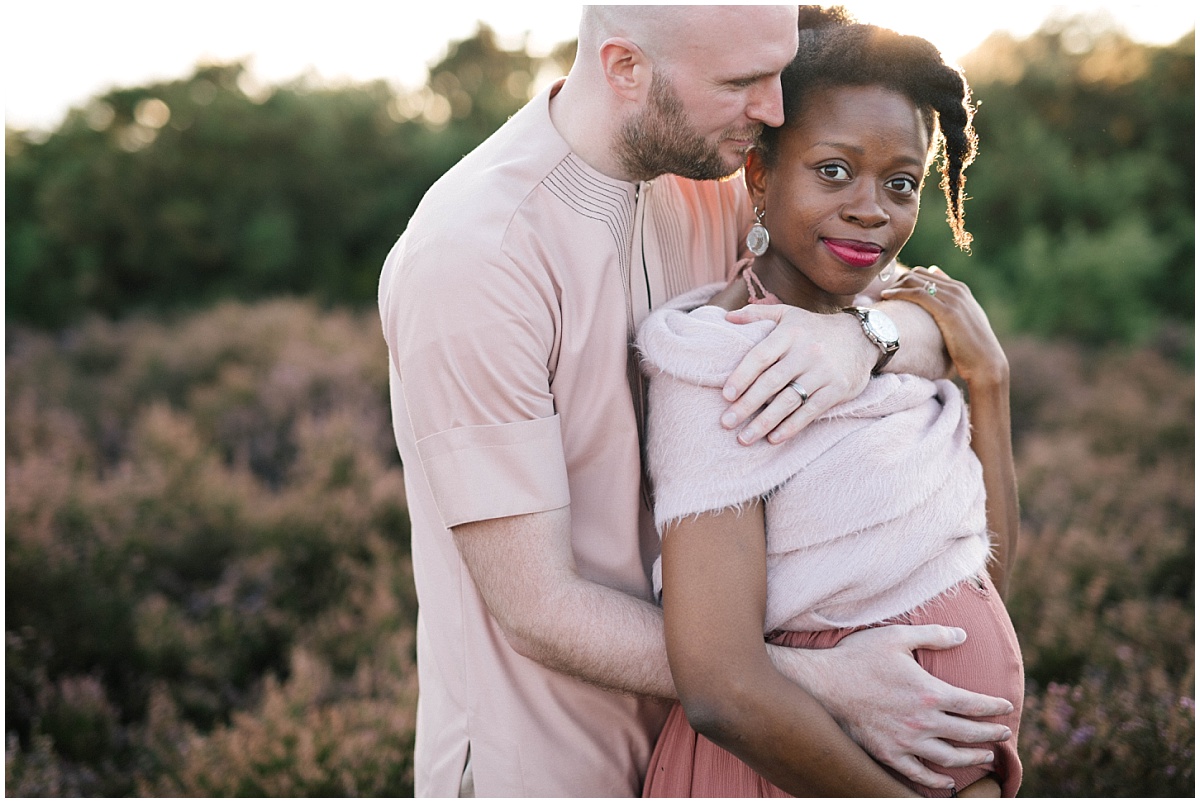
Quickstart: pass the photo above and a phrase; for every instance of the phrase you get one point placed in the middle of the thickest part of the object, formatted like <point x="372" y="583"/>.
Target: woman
<point x="877" y="512"/>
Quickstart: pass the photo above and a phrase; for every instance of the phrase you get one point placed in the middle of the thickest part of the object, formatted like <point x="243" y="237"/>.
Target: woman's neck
<point x="792" y="287"/>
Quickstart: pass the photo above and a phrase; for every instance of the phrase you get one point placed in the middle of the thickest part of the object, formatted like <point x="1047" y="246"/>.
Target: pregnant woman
<point x="897" y="507"/>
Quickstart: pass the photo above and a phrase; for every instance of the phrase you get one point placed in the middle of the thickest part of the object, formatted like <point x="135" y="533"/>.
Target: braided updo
<point x="837" y="52"/>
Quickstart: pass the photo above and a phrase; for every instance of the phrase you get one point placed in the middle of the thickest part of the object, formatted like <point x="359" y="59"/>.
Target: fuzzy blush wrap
<point x="872" y="510"/>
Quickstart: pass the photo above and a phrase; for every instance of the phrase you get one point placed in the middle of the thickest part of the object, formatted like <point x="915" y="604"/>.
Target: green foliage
<point x="1082" y="198"/>
<point x="177" y="194"/>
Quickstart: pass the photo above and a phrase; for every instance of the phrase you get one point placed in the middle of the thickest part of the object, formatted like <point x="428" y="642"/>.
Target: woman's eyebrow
<point x="858" y="149"/>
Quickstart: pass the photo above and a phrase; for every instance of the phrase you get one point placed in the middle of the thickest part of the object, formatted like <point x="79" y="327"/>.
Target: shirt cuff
<point x="498" y="470"/>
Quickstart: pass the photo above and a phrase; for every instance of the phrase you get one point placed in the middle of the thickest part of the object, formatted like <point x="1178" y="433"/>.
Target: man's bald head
<point x="667" y="32"/>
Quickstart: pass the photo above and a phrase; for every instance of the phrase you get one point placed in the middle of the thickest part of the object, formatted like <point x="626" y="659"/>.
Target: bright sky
<point x="59" y="53"/>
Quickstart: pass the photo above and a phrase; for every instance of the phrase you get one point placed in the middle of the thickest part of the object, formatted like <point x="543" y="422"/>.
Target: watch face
<point x="882" y="326"/>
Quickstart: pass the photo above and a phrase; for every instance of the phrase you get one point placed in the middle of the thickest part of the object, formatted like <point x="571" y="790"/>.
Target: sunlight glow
<point x="50" y="66"/>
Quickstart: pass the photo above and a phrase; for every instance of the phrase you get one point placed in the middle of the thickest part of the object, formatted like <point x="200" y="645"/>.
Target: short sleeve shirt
<point x="509" y="305"/>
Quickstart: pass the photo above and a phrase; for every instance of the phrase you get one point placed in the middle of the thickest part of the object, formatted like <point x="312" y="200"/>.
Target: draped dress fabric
<point x="874" y="514"/>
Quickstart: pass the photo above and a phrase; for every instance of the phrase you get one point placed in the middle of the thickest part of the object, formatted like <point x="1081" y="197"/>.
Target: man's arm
<point x="829" y="357"/>
<point x="524" y="568"/>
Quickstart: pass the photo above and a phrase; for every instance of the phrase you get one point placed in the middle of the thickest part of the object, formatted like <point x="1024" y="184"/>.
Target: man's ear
<point x="626" y="68"/>
<point x="755" y="174"/>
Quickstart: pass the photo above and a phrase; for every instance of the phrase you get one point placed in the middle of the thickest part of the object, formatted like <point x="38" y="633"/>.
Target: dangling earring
<point x="887" y="273"/>
<point x="757" y="239"/>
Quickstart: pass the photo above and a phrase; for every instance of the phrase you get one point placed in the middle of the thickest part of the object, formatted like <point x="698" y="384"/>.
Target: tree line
<point x="173" y="195"/>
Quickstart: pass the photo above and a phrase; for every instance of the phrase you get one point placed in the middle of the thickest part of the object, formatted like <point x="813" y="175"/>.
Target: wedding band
<point x="795" y="385"/>
<point x="931" y="288"/>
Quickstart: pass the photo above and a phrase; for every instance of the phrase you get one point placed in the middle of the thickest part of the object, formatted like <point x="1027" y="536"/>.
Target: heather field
<point x="209" y="590"/>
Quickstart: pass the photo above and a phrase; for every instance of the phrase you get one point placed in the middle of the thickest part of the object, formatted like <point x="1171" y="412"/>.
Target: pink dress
<point x="685" y="764"/>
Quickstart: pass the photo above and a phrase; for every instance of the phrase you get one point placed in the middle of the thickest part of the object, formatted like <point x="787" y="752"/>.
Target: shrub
<point x="209" y="591"/>
<point x="1103" y="594"/>
<point x="190" y="507"/>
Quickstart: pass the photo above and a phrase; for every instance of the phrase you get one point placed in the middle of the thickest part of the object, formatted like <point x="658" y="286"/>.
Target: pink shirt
<point x="509" y="306"/>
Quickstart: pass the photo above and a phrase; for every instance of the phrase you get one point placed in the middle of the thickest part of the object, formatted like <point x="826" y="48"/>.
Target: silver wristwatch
<point x="880" y="330"/>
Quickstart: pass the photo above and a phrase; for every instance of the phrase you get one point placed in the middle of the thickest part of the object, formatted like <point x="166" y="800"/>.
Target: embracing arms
<point x="525" y="571"/>
<point x="828" y="355"/>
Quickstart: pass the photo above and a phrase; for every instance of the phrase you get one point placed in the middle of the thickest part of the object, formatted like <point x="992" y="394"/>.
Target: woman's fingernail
<point x="728" y="420"/>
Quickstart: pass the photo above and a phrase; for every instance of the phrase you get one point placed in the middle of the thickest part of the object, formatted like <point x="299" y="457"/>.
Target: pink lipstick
<point x="854" y="253"/>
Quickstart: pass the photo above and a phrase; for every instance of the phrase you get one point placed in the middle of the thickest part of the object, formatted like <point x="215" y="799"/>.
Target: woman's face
<point x="843" y="196"/>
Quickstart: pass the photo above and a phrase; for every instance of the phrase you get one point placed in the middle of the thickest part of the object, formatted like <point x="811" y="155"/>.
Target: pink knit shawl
<point x="874" y="509"/>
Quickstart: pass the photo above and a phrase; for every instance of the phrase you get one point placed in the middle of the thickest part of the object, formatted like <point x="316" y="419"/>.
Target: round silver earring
<point x="758" y="238"/>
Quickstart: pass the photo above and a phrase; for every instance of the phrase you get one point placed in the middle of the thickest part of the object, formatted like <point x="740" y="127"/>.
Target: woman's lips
<point x="854" y="253"/>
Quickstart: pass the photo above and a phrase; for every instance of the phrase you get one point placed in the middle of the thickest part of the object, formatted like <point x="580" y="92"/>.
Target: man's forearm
<point x="922" y="350"/>
<point x="603" y="636"/>
<point x="524" y="568"/>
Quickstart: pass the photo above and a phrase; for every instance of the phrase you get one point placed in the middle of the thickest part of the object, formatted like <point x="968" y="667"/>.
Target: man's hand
<point x="871" y="684"/>
<point x="827" y="355"/>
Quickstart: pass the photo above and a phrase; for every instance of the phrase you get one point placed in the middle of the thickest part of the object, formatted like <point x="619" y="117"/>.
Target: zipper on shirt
<point x="636" y="383"/>
<point x="641" y="200"/>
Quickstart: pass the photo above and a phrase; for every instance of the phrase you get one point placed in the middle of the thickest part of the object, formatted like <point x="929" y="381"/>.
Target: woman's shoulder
<point x="689" y="338"/>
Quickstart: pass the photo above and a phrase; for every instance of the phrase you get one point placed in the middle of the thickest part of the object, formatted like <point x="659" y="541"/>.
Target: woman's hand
<point x="970" y="341"/>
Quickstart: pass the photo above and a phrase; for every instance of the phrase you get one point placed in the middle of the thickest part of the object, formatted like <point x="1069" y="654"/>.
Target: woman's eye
<point x="902" y="184"/>
<point x="836" y="172"/>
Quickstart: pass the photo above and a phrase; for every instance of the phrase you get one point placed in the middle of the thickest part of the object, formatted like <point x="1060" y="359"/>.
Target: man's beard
<point x="661" y="140"/>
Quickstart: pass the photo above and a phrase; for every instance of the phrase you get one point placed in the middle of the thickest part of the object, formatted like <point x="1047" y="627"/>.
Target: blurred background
<point x="208" y="589"/>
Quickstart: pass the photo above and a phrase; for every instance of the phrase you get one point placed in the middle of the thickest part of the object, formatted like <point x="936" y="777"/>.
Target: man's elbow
<point x="532" y="635"/>
<point x="522" y="637"/>
<point x="540" y="647"/>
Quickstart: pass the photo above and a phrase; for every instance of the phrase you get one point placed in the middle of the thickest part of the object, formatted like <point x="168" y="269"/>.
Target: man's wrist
<point x="879" y="331"/>
<point x="924" y="352"/>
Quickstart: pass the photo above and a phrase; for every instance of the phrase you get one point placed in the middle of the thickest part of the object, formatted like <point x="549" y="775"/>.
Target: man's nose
<point x="767" y="104"/>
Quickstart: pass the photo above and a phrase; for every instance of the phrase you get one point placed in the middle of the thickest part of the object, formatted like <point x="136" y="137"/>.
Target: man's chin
<point x="733" y="157"/>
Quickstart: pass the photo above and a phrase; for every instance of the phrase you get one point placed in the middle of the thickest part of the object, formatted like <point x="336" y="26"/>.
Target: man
<point x="508" y="306"/>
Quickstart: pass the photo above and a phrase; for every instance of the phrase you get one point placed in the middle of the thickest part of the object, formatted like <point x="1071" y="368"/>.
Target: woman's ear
<point x="755" y="174"/>
<point x="626" y="68"/>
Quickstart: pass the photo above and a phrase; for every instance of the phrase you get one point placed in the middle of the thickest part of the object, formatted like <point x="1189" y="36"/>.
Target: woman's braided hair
<point x="834" y="51"/>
